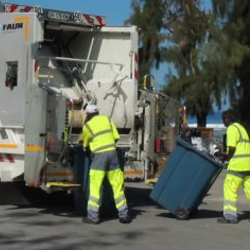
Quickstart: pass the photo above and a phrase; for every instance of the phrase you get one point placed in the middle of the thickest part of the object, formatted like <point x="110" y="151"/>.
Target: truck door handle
<point x="42" y="134"/>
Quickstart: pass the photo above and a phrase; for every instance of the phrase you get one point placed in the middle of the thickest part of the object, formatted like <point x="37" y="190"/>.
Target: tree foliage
<point x="193" y="53"/>
<point x="206" y="52"/>
<point x="234" y="19"/>
<point x="148" y="17"/>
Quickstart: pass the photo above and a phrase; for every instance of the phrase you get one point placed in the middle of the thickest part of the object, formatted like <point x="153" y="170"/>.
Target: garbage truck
<point x="54" y="62"/>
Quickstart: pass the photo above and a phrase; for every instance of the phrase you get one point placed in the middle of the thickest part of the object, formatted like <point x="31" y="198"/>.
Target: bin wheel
<point x="182" y="213"/>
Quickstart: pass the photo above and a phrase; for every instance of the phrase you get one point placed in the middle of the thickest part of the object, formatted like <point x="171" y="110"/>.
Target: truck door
<point x="21" y="101"/>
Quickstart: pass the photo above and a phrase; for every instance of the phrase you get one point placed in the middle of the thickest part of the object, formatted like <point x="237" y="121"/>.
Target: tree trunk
<point x="201" y="120"/>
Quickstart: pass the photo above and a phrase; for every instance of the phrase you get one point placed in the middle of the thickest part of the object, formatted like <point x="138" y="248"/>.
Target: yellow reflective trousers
<point x="232" y="183"/>
<point x="116" y="181"/>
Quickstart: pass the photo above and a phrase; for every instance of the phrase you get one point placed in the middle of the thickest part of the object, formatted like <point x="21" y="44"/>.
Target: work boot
<point x="223" y="220"/>
<point x="89" y="221"/>
<point x="125" y="220"/>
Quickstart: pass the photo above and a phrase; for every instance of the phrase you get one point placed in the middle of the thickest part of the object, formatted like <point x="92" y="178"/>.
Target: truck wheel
<point x="182" y="213"/>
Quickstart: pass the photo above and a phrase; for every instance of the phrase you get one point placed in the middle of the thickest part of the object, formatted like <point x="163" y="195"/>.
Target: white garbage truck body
<point x="52" y="63"/>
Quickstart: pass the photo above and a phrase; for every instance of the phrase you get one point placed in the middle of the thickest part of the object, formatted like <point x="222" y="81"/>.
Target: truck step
<point x="62" y="185"/>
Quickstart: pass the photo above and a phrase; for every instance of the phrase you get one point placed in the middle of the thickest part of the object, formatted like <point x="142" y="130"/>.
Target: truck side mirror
<point x="11" y="74"/>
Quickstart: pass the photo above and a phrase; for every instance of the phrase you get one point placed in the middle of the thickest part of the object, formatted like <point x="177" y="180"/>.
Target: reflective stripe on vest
<point x="102" y="140"/>
<point x="241" y="140"/>
<point x="240" y="161"/>
<point x="104" y="147"/>
<point x="98" y="133"/>
<point x="241" y="137"/>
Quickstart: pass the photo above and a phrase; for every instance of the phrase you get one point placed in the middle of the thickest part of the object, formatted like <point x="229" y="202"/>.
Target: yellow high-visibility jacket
<point x="100" y="134"/>
<point x="237" y="137"/>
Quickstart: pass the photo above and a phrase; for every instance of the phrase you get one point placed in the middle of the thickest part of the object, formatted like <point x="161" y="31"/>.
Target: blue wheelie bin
<point x="81" y="165"/>
<point x="186" y="179"/>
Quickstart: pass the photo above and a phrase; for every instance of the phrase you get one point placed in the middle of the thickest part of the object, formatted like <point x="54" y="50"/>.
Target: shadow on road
<point x="245" y="215"/>
<point x="63" y="204"/>
<point x="206" y="214"/>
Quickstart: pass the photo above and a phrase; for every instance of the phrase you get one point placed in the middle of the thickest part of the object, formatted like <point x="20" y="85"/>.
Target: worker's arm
<point x="229" y="155"/>
<point x="115" y="132"/>
<point x="86" y="136"/>
<point x="232" y="139"/>
<point x="226" y="157"/>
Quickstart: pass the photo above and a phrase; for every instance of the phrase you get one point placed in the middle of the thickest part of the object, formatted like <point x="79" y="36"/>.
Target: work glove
<point x="217" y="152"/>
<point x="86" y="150"/>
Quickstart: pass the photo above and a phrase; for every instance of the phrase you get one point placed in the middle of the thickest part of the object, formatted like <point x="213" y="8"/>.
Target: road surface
<point x="59" y="228"/>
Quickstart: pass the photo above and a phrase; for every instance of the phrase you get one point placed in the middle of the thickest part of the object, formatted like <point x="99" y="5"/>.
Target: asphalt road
<point x="52" y="227"/>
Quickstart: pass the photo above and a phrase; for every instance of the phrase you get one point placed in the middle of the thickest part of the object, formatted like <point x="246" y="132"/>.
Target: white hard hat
<point x="91" y="109"/>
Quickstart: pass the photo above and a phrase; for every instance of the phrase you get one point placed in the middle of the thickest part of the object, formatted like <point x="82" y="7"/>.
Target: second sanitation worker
<point x="100" y="134"/>
<point x="238" y="169"/>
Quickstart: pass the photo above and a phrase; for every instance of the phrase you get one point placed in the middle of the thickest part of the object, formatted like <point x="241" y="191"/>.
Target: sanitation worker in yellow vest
<point x="100" y="135"/>
<point x="238" y="168"/>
